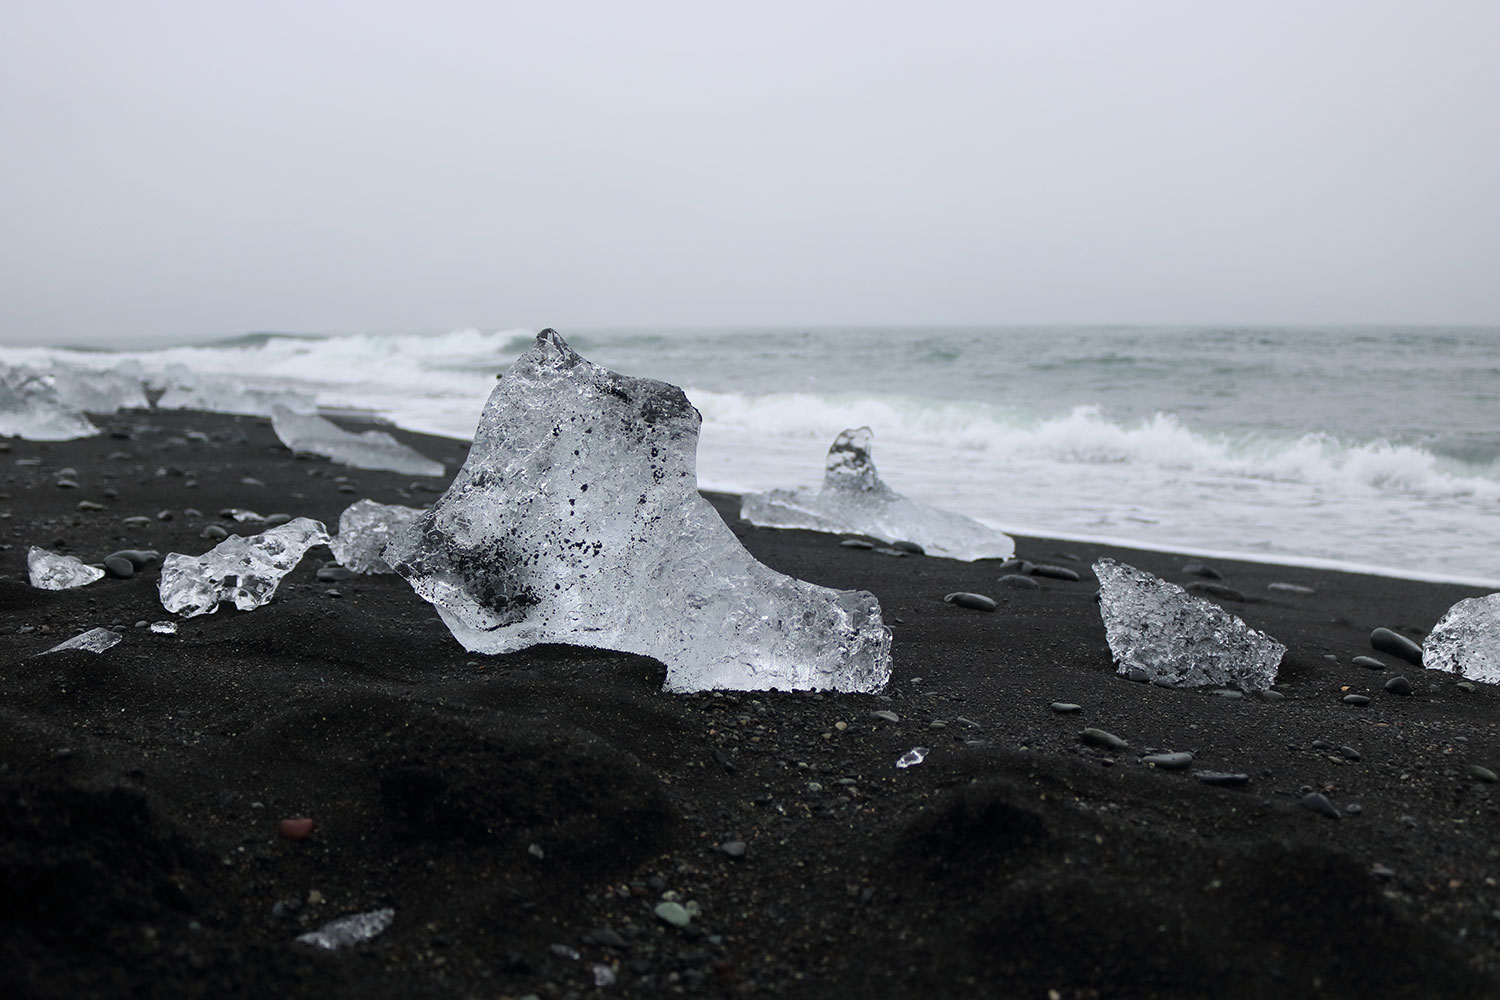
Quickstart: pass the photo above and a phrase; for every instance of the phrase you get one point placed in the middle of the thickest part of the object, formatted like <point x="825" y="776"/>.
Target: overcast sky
<point x="191" y="169"/>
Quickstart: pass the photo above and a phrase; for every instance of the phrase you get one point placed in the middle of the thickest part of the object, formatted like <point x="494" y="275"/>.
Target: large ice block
<point x="364" y="528"/>
<point x="184" y="389"/>
<point x="31" y="408"/>
<point x="242" y="569"/>
<point x="1180" y="640"/>
<point x="577" y="519"/>
<point x="854" y="500"/>
<point x="51" y="571"/>
<point x="367" y="450"/>
<point x="1466" y="640"/>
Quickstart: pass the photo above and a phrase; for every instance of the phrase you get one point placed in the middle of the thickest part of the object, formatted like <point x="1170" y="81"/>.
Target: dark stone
<point x="1368" y="662"/>
<point x="976" y="601"/>
<point x="1168" y="761"/>
<point x="272" y="520"/>
<point x="1356" y="699"/>
<point x="1016" y="566"/>
<point x="1100" y="738"/>
<point x="886" y="551"/>
<point x="1223" y="592"/>
<point x="214" y="533"/>
<point x="119" y="567"/>
<point x="1202" y="569"/>
<point x="1386" y="641"/>
<point x="1349" y="753"/>
<point x="733" y="848"/>
<point x="1318" y="803"/>
<point x="1056" y="573"/>
<point x="139" y="558"/>
<point x="911" y="547"/>
<point x="857" y="543"/>
<point x="1065" y="707"/>
<point x="335" y="574"/>
<point x="1226" y="779"/>
<point x="1018" y="582"/>
<point x="1398" y="685"/>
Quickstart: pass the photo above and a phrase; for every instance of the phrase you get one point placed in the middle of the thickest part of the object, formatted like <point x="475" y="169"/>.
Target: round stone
<point x="673" y="913"/>
<point x="1318" y="803"/>
<point x="976" y="601"/>
<point x="1398" y="685"/>
<point x="119" y="567"/>
<point x="733" y="848"/>
<point x="214" y="532"/>
<point x="1356" y="699"/>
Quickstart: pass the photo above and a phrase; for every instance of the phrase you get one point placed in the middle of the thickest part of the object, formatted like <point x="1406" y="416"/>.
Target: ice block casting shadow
<point x="577" y="519"/>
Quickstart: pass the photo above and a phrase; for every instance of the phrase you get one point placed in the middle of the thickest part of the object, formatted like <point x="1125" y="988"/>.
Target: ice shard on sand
<point x="853" y="499"/>
<point x="242" y="569"/>
<point x="1177" y="639"/>
<point x="364" y="528"/>
<point x="577" y="519"/>
<point x="1466" y="640"/>
<point x="366" y="450"/>
<point x="51" y="571"/>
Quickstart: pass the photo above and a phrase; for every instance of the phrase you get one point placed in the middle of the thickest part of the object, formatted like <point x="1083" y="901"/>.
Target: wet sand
<point x="524" y="815"/>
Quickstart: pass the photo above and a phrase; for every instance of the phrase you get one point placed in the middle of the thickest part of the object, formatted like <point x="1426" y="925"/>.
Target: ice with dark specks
<point x="1466" y="640"/>
<point x="242" y="569"/>
<point x="854" y="500"/>
<point x="364" y="528"/>
<point x="577" y="519"/>
<point x="95" y="640"/>
<point x="308" y="432"/>
<point x="1177" y="639"/>
<point x="356" y="928"/>
<point x="52" y="571"/>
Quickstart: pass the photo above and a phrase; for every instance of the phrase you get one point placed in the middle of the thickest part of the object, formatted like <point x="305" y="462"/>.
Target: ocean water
<point x="1355" y="447"/>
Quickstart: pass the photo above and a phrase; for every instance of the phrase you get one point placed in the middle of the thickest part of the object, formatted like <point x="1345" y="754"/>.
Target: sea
<point x="1366" y="448"/>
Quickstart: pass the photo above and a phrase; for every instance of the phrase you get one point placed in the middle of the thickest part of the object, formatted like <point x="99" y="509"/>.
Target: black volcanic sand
<point x="141" y="789"/>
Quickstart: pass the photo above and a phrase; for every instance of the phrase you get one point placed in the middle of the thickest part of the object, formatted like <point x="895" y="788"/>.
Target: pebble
<point x="609" y="938"/>
<point x="1269" y="695"/>
<point x="119" y="567"/>
<point x="1055" y="572"/>
<point x="1018" y="582"/>
<point x="911" y="547"/>
<point x="1466" y="686"/>
<point x="895" y="553"/>
<point x="978" y="602"/>
<point x="1368" y="662"/>
<point x="272" y="520"/>
<point x="90" y="505"/>
<point x="1480" y="773"/>
<point x="733" y="848"/>
<point x="1226" y="779"/>
<point x="1291" y="588"/>
<point x="1100" y="738"/>
<point x="1382" y="872"/>
<point x="67" y="484"/>
<point x="1066" y="707"/>
<point x="672" y="913"/>
<point x="1354" y="809"/>
<point x="296" y="829"/>
<point x="1349" y="753"/>
<point x="1318" y="803"/>
<point x="138" y="521"/>
<point x="887" y="715"/>
<point x="335" y="574"/>
<point x="1398" y="685"/>
<point x="1016" y="566"/>
<point x="1227" y="693"/>
<point x="1386" y="641"/>
<point x="1222" y="591"/>
<point x="1168" y="761"/>
<point x="214" y="532"/>
<point x="139" y="558"/>
<point x="1202" y="569"/>
<point x="1356" y="699"/>
<point x="857" y="543"/>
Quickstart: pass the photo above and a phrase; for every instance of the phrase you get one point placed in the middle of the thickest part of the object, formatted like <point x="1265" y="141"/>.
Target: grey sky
<point x="191" y="169"/>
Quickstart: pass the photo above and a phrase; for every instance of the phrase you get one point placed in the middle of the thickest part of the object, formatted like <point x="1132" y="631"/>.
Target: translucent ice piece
<point x="164" y="628"/>
<point x="1466" y="640"/>
<point x="364" y="528"/>
<point x="1179" y="640"/>
<point x="242" y="569"/>
<point x="367" y="450"/>
<point x="577" y="519"/>
<point x="95" y="640"/>
<point x="185" y="389"/>
<point x="912" y="757"/>
<point x="100" y="391"/>
<point x="30" y="408"/>
<point x="50" y="571"/>
<point x="356" y="928"/>
<point x="854" y="500"/>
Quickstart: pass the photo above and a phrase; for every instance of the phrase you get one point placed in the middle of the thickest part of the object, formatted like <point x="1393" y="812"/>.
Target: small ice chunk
<point x="854" y="500"/>
<point x="242" y="569"/>
<point x="164" y="628"/>
<point x="241" y="515"/>
<point x="31" y="408"/>
<point x="577" y="519"/>
<point x="185" y="389"/>
<point x="364" y="528"/>
<point x="912" y="757"/>
<point x="1466" y="640"/>
<point x="1177" y="639"/>
<point x="95" y="640"/>
<point x="367" y="450"/>
<point x="357" y="928"/>
<point x="51" y="571"/>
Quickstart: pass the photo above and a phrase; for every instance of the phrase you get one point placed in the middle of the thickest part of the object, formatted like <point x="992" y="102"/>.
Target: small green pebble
<point x="674" y="914"/>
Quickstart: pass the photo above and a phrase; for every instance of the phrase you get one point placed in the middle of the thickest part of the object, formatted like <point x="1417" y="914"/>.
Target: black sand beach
<point x="524" y="814"/>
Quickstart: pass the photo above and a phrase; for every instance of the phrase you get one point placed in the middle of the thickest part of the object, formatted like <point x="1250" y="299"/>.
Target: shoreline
<point x="526" y="815"/>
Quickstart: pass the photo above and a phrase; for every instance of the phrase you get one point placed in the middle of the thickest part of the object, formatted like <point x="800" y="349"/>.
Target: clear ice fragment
<point x="912" y="757"/>
<point x="241" y="515"/>
<point x="854" y="500"/>
<point x="1177" y="639"/>
<point x="242" y="569"/>
<point x="164" y="628"/>
<point x="364" y="528"/>
<point x="1466" y="640"/>
<point x="51" y="571"/>
<point x="184" y="389"/>
<point x="95" y="640"/>
<point x="577" y="519"/>
<point x="31" y="408"/>
<point x="366" y="450"/>
<point x="356" y="928"/>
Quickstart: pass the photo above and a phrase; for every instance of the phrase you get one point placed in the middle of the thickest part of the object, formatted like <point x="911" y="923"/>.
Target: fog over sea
<point x="1352" y="447"/>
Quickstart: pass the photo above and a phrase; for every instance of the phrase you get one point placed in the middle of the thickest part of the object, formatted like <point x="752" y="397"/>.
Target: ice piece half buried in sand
<point x="1180" y="640"/>
<point x="242" y="569"/>
<point x="364" y="528"/>
<point x="577" y="519"/>
<point x="1466" y="640"/>
<point x="367" y="450"/>
<point x="854" y="500"/>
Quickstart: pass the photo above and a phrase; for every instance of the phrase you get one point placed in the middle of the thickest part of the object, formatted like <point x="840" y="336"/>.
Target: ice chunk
<point x="1466" y="640"/>
<point x="100" y="390"/>
<point x="185" y="389"/>
<point x="356" y="928"/>
<point x="50" y="571"/>
<point x="912" y="757"/>
<point x="367" y="450"/>
<point x="164" y="628"/>
<point x="576" y="519"/>
<point x="95" y="640"/>
<point x="242" y="569"/>
<point x="1177" y="639"/>
<point x="31" y="408"/>
<point x="364" y="528"/>
<point x="854" y="500"/>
